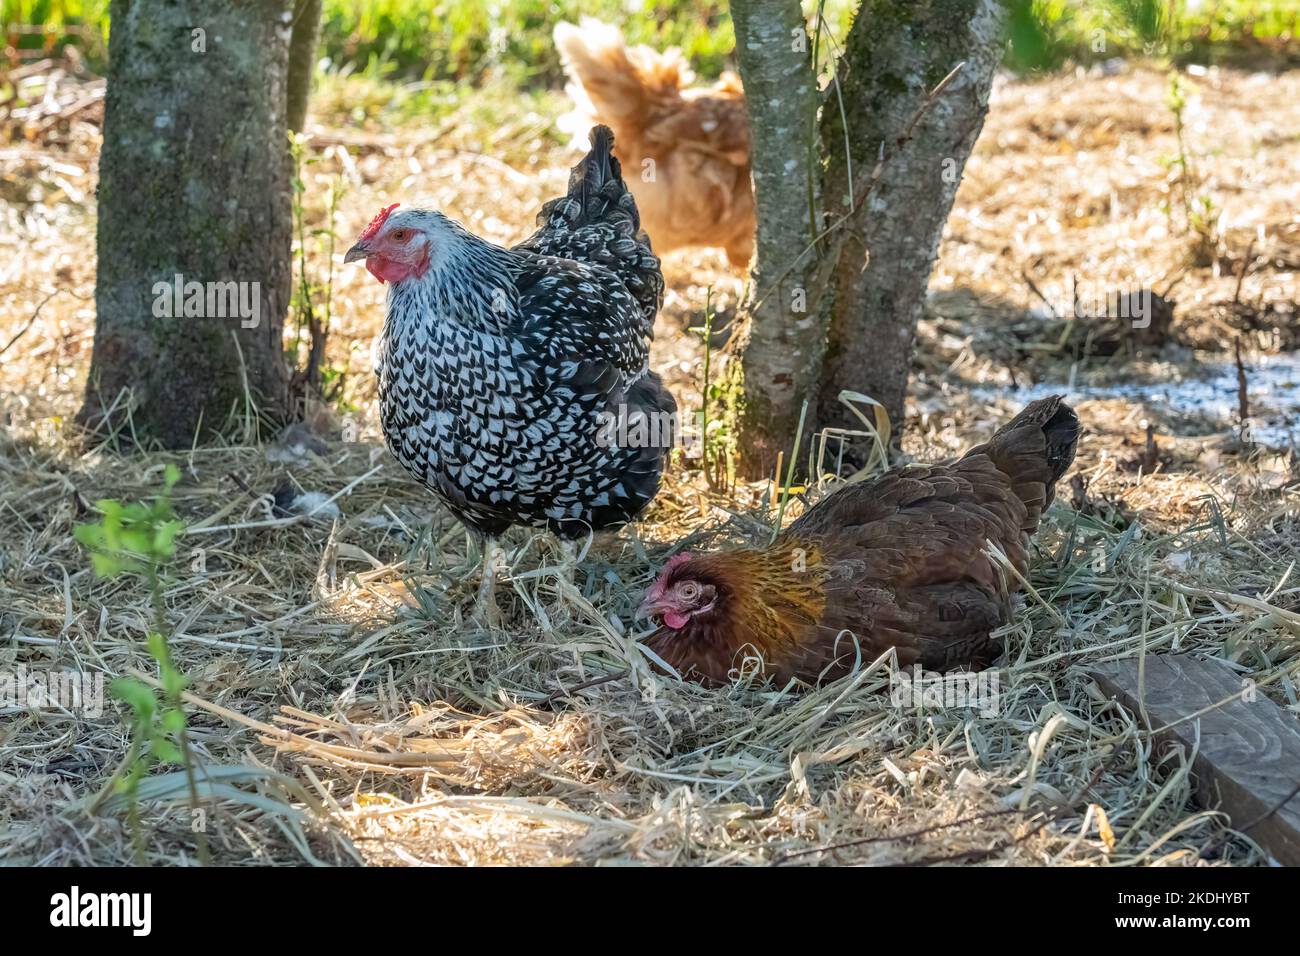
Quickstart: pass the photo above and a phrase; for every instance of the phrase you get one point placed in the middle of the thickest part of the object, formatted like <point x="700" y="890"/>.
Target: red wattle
<point x="675" y="620"/>
<point x="386" y="270"/>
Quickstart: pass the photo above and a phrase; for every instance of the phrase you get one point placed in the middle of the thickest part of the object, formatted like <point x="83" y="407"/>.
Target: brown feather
<point x="695" y="139"/>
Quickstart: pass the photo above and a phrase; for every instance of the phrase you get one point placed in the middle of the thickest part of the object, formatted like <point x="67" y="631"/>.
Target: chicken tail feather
<point x="1034" y="450"/>
<point x="591" y="179"/>
<point x="596" y="222"/>
<point x="620" y="83"/>
<point x="1059" y="426"/>
<point x="596" y="194"/>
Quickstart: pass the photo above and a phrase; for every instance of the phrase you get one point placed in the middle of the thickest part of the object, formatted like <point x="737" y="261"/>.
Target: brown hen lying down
<point x="895" y="562"/>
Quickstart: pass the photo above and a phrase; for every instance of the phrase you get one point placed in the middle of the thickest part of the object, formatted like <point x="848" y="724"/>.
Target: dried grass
<point x="361" y="719"/>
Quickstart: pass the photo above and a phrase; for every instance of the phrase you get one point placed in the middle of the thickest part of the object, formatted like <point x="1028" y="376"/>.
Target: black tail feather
<point x="597" y="183"/>
<point x="599" y="166"/>
<point x="597" y="222"/>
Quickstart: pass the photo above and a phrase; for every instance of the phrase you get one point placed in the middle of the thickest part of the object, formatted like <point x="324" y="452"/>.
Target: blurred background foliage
<point x="475" y="41"/>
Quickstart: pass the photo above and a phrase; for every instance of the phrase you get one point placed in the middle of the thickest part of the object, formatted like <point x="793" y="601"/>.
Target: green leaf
<point x="158" y="648"/>
<point x="138" y="696"/>
<point x="164" y="538"/>
<point x="106" y="565"/>
<point x="90" y="535"/>
<point x="109" y="507"/>
<point x="173" y="681"/>
<point x="166" y="751"/>
<point x="137" y="541"/>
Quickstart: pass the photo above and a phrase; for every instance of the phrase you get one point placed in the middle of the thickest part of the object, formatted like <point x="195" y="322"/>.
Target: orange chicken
<point x="685" y="148"/>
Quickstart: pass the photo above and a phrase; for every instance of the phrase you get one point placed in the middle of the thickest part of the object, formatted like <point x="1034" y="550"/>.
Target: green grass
<point x="1046" y="34"/>
<point x="468" y="39"/>
<point x="81" y="23"/>
<point x="461" y="41"/>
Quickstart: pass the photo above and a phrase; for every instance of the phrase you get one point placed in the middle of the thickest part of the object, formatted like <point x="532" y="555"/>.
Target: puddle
<point x="1209" y="395"/>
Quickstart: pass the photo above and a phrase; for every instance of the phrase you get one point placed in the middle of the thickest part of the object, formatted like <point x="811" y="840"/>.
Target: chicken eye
<point x="689" y="591"/>
<point x="400" y="235"/>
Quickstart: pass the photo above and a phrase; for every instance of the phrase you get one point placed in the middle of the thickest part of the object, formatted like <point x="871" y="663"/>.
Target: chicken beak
<point x="646" y="611"/>
<point x="359" y="251"/>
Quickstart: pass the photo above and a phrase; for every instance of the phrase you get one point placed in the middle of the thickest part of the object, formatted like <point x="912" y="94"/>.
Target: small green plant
<point x="717" y="438"/>
<point x="139" y="540"/>
<point x="1038" y="29"/>
<point x="788" y="482"/>
<point x="1147" y="22"/>
<point x="313" y="302"/>
<point x="1200" y="215"/>
<point x="135" y="539"/>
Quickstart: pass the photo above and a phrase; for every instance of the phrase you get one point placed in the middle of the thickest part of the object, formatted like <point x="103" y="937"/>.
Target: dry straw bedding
<point x="346" y="713"/>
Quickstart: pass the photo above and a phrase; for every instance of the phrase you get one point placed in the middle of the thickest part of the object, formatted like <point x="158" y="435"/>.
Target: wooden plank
<point x="1249" y="759"/>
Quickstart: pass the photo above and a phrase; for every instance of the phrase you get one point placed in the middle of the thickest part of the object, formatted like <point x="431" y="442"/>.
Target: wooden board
<point x="1249" y="758"/>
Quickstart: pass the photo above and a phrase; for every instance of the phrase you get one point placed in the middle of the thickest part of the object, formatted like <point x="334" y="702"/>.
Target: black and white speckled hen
<point x="500" y="369"/>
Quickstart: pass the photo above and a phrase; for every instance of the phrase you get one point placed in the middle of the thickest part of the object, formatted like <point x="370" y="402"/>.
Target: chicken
<point x="896" y="562"/>
<point x="500" y="370"/>
<point x="688" y="146"/>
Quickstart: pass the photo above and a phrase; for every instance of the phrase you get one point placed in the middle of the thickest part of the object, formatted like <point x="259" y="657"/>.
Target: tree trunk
<point x="780" y="345"/>
<point x="302" y="60"/>
<point x="895" y="54"/>
<point x="194" y="182"/>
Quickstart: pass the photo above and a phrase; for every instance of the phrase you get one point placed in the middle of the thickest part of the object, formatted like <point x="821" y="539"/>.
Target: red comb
<point x="680" y="558"/>
<point x="378" y="222"/>
<point x="661" y="583"/>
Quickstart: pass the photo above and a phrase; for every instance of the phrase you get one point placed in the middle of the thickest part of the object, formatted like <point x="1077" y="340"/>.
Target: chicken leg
<point x="569" y="556"/>
<point x="485" y="604"/>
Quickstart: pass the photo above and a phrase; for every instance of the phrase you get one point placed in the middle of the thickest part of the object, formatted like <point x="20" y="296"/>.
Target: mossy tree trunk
<point x="895" y="54"/>
<point x="863" y="287"/>
<point x="780" y="344"/>
<point x="194" y="182"/>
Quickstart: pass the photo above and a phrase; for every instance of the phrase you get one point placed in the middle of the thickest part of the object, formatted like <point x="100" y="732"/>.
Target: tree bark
<point x="895" y="54"/>
<point x="780" y="345"/>
<point x="302" y="60"/>
<point x="194" y="182"/>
